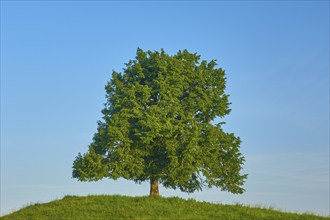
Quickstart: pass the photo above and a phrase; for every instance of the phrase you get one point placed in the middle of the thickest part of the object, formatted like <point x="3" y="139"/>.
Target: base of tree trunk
<point x="154" y="187"/>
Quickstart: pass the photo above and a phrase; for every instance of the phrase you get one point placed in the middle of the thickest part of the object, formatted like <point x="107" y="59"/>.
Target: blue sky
<point x="56" y="58"/>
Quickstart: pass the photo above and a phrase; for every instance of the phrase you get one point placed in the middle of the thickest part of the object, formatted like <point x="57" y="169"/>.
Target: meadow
<point x="145" y="207"/>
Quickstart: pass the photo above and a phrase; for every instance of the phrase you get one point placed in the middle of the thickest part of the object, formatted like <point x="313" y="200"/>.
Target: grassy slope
<point x="116" y="207"/>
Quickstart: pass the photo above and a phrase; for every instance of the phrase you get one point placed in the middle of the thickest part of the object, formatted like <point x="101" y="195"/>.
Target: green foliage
<point x="158" y="123"/>
<point x="120" y="207"/>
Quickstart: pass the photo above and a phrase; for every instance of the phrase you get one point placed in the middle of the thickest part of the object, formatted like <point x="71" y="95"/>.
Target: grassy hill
<point x="122" y="207"/>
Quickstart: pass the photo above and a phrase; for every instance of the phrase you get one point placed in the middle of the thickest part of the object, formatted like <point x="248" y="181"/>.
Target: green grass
<point x="123" y="207"/>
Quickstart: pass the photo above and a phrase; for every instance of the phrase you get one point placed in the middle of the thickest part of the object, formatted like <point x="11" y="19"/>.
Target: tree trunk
<point x="154" y="187"/>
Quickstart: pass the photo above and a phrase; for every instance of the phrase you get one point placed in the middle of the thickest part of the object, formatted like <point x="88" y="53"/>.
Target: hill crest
<point x="145" y="207"/>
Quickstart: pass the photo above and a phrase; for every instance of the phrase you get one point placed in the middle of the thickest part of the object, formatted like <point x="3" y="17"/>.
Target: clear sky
<point x="56" y="58"/>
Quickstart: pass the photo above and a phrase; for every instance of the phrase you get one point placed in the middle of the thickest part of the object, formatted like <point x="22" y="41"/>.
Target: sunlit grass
<point x="123" y="207"/>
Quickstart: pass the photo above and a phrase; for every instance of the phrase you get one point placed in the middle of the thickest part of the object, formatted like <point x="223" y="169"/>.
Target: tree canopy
<point x="159" y="125"/>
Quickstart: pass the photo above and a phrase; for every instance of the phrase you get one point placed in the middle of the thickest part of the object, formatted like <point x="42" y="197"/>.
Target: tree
<point x="158" y="125"/>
